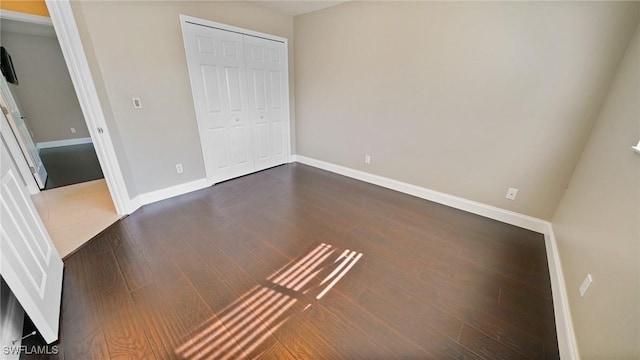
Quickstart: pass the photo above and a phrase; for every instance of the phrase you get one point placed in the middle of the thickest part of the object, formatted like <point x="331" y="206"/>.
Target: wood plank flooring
<point x="298" y="263"/>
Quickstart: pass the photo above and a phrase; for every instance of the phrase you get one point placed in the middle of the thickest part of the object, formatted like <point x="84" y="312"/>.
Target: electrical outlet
<point x="367" y="159"/>
<point x="585" y="285"/>
<point x="73" y="130"/>
<point x="512" y="193"/>
<point x="179" y="169"/>
<point x="136" y="103"/>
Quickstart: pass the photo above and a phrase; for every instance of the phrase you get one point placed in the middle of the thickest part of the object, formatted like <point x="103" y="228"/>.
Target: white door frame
<point x="64" y="24"/>
<point x="184" y="19"/>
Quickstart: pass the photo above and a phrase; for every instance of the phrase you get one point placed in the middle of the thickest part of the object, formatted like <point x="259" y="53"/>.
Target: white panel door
<point x="218" y="79"/>
<point x="22" y="134"/>
<point x="268" y="88"/>
<point x="29" y="263"/>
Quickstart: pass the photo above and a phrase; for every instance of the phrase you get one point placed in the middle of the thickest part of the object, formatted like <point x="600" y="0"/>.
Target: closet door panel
<point x="265" y="62"/>
<point x="240" y="88"/>
<point x="218" y="78"/>
<point x="259" y="89"/>
<point x="217" y="148"/>
<point x="211" y="88"/>
<point x="258" y="85"/>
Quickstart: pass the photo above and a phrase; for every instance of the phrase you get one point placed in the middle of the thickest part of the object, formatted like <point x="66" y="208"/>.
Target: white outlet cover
<point x="585" y="285"/>
<point x="73" y="130"/>
<point x="512" y="193"/>
<point x="136" y="103"/>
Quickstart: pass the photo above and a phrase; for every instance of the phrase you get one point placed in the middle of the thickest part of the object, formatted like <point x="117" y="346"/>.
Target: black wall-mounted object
<point x="6" y="65"/>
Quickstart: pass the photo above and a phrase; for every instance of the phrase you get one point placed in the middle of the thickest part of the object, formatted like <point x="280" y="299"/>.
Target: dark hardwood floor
<point x="73" y="164"/>
<point x="299" y="263"/>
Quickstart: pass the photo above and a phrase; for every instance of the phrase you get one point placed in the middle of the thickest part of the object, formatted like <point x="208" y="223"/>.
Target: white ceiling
<point x="297" y="7"/>
<point x="20" y="27"/>
<point x="12" y="22"/>
<point x="293" y="8"/>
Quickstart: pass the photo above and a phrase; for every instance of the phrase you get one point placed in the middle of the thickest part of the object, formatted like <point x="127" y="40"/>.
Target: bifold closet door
<point x="239" y="84"/>
<point x="218" y="77"/>
<point x="266" y="72"/>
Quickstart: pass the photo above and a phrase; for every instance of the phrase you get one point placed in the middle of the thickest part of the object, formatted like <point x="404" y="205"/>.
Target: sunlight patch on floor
<point x="243" y="325"/>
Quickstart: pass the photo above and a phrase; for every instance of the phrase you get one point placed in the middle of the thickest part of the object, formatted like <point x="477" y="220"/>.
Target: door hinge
<point x="4" y="110"/>
<point x="33" y="170"/>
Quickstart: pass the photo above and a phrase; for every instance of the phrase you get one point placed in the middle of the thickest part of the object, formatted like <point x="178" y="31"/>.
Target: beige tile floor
<point x="74" y="214"/>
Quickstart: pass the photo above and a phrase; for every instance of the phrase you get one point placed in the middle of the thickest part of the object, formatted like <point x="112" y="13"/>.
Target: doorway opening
<point x="46" y="118"/>
<point x="47" y="104"/>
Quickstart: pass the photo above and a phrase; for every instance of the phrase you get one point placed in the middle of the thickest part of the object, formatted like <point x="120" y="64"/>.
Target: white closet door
<point x="218" y="78"/>
<point x="268" y="88"/>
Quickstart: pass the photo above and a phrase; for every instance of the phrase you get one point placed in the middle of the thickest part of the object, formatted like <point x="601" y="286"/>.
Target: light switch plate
<point x="585" y="285"/>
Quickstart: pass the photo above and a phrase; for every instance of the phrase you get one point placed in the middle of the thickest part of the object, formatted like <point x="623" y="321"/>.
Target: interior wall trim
<point x="68" y="36"/>
<point x="166" y="193"/>
<point x="58" y="143"/>
<point x="28" y="18"/>
<point x="564" y="326"/>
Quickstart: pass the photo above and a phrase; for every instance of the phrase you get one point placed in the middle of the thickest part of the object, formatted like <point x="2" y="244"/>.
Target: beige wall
<point x="597" y="224"/>
<point x="464" y="98"/>
<point x="137" y="50"/>
<point x="45" y="91"/>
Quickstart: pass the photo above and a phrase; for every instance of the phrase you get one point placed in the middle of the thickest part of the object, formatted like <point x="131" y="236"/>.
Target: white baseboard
<point x="564" y="326"/>
<point x="492" y="212"/>
<point x="132" y="205"/>
<point x="58" y="143"/>
<point x="166" y="193"/>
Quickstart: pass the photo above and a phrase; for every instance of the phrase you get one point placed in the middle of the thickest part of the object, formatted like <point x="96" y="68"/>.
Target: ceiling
<point x="293" y="8"/>
<point x="20" y="27"/>
<point x="297" y="7"/>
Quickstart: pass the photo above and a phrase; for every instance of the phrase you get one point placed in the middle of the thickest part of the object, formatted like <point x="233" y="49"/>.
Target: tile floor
<point x="74" y="214"/>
